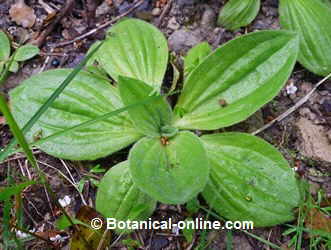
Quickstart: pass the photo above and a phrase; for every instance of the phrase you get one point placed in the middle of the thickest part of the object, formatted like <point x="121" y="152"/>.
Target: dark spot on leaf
<point x="222" y="103"/>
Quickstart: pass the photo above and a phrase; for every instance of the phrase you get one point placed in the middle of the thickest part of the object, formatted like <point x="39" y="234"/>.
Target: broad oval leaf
<point x="237" y="79"/>
<point x="136" y="49"/>
<point x="4" y="46"/>
<point x="85" y="98"/>
<point x="249" y="180"/>
<point x="311" y="19"/>
<point x="238" y="13"/>
<point x="170" y="170"/>
<point x="26" y="52"/>
<point x="195" y="56"/>
<point x="119" y="198"/>
<point x="149" y="118"/>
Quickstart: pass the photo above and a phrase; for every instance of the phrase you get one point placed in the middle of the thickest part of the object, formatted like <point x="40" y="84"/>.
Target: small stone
<point x="156" y="11"/>
<point x="182" y="40"/>
<point x="173" y="24"/>
<point x="102" y="9"/>
<point x="208" y="18"/>
<point x="326" y="107"/>
<point x="55" y="62"/>
<point x="185" y="2"/>
<point x="65" y="201"/>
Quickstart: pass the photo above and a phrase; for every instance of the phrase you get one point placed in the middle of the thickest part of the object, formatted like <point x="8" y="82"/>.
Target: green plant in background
<point x="311" y="20"/>
<point x="238" y="13"/>
<point x="241" y="176"/>
<point x="23" y="53"/>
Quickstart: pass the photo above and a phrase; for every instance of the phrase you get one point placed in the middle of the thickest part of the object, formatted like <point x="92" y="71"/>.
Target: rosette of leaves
<point x="240" y="176"/>
<point x="311" y="20"/>
<point x="238" y="13"/>
<point x="23" y="53"/>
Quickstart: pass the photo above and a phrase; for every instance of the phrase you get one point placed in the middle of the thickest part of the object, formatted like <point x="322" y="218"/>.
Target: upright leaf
<point x="237" y="79"/>
<point x="136" y="49"/>
<point x="148" y="118"/>
<point x="9" y="191"/>
<point x="195" y="56"/>
<point x="311" y="19"/>
<point x="119" y="198"/>
<point x="238" y="13"/>
<point x="170" y="170"/>
<point x="87" y="97"/>
<point x="249" y="180"/>
<point x="4" y="46"/>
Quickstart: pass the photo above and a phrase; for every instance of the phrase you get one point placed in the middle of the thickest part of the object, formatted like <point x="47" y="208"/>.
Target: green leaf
<point x="4" y="46"/>
<point x="170" y="170"/>
<point x="63" y="222"/>
<point x="13" y="67"/>
<point x="188" y="231"/>
<point x="43" y="108"/>
<point x="193" y="206"/>
<point x="26" y="52"/>
<point x="237" y="79"/>
<point x="150" y="118"/>
<point x="136" y="49"/>
<point x="7" y="192"/>
<point x="119" y="198"/>
<point x="311" y="20"/>
<point x="195" y="56"/>
<point x="238" y="13"/>
<point x="249" y="180"/>
<point x="86" y="98"/>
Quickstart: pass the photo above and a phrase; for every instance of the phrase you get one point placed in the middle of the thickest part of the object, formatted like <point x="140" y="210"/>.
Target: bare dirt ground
<point x="304" y="137"/>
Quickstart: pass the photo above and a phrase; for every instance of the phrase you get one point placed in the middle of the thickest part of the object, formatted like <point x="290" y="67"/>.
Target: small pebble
<point x="173" y="24"/>
<point x="65" y="201"/>
<point x="156" y="11"/>
<point x="55" y="62"/>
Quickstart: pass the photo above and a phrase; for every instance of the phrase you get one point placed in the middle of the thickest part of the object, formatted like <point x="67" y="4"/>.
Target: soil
<point x="303" y="137"/>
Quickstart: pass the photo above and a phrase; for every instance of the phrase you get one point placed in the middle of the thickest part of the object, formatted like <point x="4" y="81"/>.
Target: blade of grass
<point x="5" y="72"/>
<point x="16" y="131"/>
<point x="89" y="122"/>
<point x="6" y="233"/>
<point x="229" y="240"/>
<point x="21" y="140"/>
<point x="9" y="149"/>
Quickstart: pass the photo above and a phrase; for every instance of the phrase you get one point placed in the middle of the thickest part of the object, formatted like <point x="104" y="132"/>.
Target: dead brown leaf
<point x="317" y="220"/>
<point x="87" y="238"/>
<point x="22" y="14"/>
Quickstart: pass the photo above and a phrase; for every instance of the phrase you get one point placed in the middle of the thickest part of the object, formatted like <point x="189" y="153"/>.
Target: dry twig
<point x="99" y="27"/>
<point x="164" y="12"/>
<point x="64" y="11"/>
<point x="292" y="109"/>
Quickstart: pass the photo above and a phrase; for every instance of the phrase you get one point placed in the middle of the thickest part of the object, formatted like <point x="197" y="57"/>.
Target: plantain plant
<point x="241" y="176"/>
<point x="23" y="53"/>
